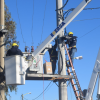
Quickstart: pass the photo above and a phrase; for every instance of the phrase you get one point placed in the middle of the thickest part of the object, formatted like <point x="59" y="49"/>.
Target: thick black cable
<point x="56" y="84"/>
<point x="47" y="89"/>
<point x="61" y="56"/>
<point x="43" y="21"/>
<point x="68" y="11"/>
<point x="42" y="92"/>
<point x="20" y="24"/>
<point x="32" y="24"/>
<point x="74" y="8"/>
<point x="63" y="6"/>
<point x="62" y="63"/>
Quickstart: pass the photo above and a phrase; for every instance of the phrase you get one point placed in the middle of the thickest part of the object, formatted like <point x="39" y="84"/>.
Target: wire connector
<point x="3" y="31"/>
<point x="87" y="0"/>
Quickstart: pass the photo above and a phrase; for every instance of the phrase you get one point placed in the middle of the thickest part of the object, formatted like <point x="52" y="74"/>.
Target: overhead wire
<point x="89" y="31"/>
<point x="32" y="24"/>
<point x="25" y="98"/>
<point x="43" y="21"/>
<point x="20" y="23"/>
<point x="85" y="19"/>
<point x="47" y="89"/>
<point x="91" y="8"/>
<point x="74" y="8"/>
<point x="42" y="92"/>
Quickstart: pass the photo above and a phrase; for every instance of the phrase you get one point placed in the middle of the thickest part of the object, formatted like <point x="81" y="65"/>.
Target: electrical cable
<point x="85" y="19"/>
<point x="68" y="84"/>
<point x="63" y="6"/>
<point x="47" y="89"/>
<point x="68" y="12"/>
<point x="20" y="24"/>
<point x="61" y="58"/>
<point x="32" y="24"/>
<point x="43" y="21"/>
<point x="90" y="31"/>
<point x="42" y="92"/>
<point x="91" y="8"/>
<point x="74" y="8"/>
<point x="25" y="98"/>
<point x="56" y="84"/>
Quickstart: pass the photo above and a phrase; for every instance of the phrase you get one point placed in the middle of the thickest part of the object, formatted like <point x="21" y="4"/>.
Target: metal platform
<point x="31" y="76"/>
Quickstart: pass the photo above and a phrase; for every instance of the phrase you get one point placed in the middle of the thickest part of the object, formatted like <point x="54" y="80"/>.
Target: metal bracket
<point x="2" y="87"/>
<point x="21" y="72"/>
<point x="87" y="0"/>
<point x="3" y="31"/>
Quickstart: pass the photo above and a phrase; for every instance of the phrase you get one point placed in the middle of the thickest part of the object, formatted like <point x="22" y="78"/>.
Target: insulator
<point x="32" y="49"/>
<point x="25" y="49"/>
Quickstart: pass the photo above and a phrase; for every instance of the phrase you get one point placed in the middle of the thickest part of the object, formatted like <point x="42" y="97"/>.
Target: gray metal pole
<point x="22" y="96"/>
<point x="61" y="55"/>
<point x="2" y="96"/>
<point x="98" y="91"/>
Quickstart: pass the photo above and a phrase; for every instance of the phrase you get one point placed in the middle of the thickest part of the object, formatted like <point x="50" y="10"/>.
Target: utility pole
<point x="61" y="53"/>
<point x="22" y="96"/>
<point x="2" y="92"/>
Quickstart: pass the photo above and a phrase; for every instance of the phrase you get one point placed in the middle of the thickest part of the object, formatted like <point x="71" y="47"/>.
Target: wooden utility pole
<point x="61" y="59"/>
<point x="2" y="92"/>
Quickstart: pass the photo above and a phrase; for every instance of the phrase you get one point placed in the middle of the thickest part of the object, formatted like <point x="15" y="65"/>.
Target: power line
<point x="85" y="19"/>
<point x="74" y="8"/>
<point x="25" y="98"/>
<point x="20" y="23"/>
<point x="91" y="8"/>
<point x="32" y="24"/>
<point x="47" y="89"/>
<point x="42" y="92"/>
<point x="90" y="31"/>
<point x="43" y="21"/>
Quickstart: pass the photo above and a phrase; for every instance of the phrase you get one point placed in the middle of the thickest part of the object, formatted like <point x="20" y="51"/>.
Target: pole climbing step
<point x="80" y="95"/>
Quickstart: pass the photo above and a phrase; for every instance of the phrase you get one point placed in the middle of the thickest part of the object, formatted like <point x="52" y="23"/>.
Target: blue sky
<point x="87" y="46"/>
